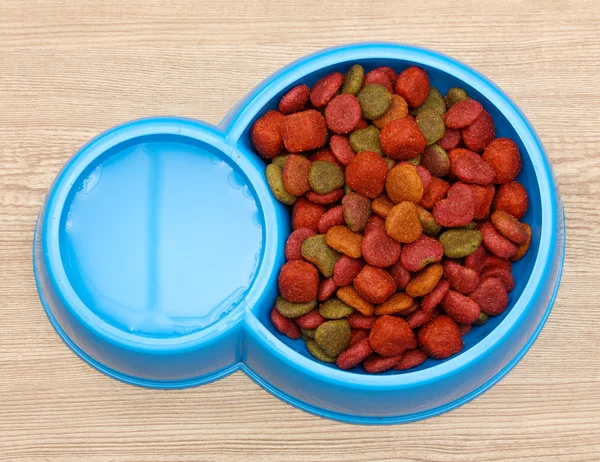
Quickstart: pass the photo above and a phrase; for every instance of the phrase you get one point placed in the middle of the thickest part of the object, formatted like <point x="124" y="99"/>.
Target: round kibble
<point x="353" y="80"/>
<point x="375" y="100"/>
<point x="293" y="310"/>
<point x="431" y="124"/>
<point x="459" y="243"/>
<point x="325" y="177"/>
<point x="274" y="176"/>
<point x="366" y="139"/>
<point x="333" y="337"/>
<point x="334" y="308"/>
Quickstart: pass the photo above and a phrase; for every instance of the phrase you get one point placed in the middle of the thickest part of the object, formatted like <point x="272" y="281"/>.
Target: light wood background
<point x="72" y="68"/>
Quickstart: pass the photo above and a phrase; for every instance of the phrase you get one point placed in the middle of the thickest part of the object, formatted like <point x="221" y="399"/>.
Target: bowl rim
<point x="248" y="108"/>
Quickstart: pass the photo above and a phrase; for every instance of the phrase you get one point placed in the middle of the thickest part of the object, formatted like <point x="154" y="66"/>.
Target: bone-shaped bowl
<point x="157" y="250"/>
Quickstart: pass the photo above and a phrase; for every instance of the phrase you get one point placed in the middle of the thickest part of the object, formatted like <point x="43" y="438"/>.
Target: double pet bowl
<point x="158" y="247"/>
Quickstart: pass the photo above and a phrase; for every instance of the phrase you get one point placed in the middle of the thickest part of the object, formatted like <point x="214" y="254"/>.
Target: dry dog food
<point x="406" y="216"/>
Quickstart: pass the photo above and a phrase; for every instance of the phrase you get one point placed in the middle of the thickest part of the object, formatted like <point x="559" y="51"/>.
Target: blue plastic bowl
<point x="158" y="247"/>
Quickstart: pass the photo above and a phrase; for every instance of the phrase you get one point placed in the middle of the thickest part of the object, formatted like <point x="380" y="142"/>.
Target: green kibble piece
<point x="334" y="308"/>
<point x="435" y="159"/>
<point x="391" y="163"/>
<point x="471" y="225"/>
<point x="374" y="100"/>
<point x="347" y="189"/>
<point x="333" y="336"/>
<point x="293" y="310"/>
<point x="275" y="179"/>
<point x="353" y="80"/>
<point x="430" y="226"/>
<point x="459" y="243"/>
<point x="454" y="95"/>
<point x="431" y="124"/>
<point x="365" y="139"/>
<point x="316" y="251"/>
<point x="434" y="101"/>
<point x="307" y="334"/>
<point x="280" y="160"/>
<point x="325" y="177"/>
<point x="482" y="319"/>
<point x="415" y="160"/>
<point x="315" y="350"/>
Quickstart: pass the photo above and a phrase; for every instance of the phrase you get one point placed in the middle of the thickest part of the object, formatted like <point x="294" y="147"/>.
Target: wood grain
<point x="69" y="70"/>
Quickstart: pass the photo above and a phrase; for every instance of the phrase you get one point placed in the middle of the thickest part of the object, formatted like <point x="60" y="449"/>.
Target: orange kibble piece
<point x="402" y="223"/>
<point x="343" y="240"/>
<point x="425" y="281"/>
<point x="404" y="184"/>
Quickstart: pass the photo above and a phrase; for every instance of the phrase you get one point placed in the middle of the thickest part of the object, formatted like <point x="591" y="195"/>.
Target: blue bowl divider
<point x="157" y="250"/>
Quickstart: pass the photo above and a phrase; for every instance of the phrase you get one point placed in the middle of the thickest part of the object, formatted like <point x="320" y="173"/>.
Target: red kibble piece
<point x="380" y="77"/>
<point x="460" y="307"/>
<point x="364" y="123"/>
<point x="400" y="274"/>
<point x="354" y="355"/>
<point x="500" y="273"/>
<point x="436" y="192"/>
<point x="356" y="335"/>
<point x="375" y="363"/>
<point x="305" y="214"/>
<point x="458" y="209"/>
<point x="342" y="114"/>
<point x="341" y="149"/>
<point x="326" y="156"/>
<point x="464" y="328"/>
<point x="440" y="338"/>
<point x="375" y="285"/>
<point x="325" y="199"/>
<point x="413" y="85"/>
<point x="333" y="217"/>
<point x="450" y="139"/>
<point x="425" y="177"/>
<point x="346" y="269"/>
<point x="303" y="131"/>
<point x="295" y="175"/>
<point x="286" y="326"/>
<point x="265" y="135"/>
<point x="294" y="100"/>
<point x="378" y="249"/>
<point x="469" y="167"/>
<point x="495" y="242"/>
<point x="310" y="320"/>
<point x="463" y="113"/>
<point x="483" y="196"/>
<point x="325" y="89"/>
<point x="374" y="222"/>
<point x="491" y="296"/>
<point x="512" y="198"/>
<point x="401" y="139"/>
<point x="391" y="336"/>
<point x="360" y="321"/>
<point x="326" y="289"/>
<point x="293" y="246"/>
<point x="298" y="281"/>
<point x="462" y="279"/>
<point x="430" y="301"/>
<point x="388" y="71"/>
<point x="492" y="261"/>
<point x="410" y="359"/>
<point x="509" y="226"/>
<point x="503" y="154"/>
<point x="480" y="133"/>
<point x="417" y="255"/>
<point x="366" y="173"/>
<point x="476" y="261"/>
<point x="420" y="317"/>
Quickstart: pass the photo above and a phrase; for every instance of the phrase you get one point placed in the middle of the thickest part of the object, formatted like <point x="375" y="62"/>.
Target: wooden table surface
<point x="70" y="69"/>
